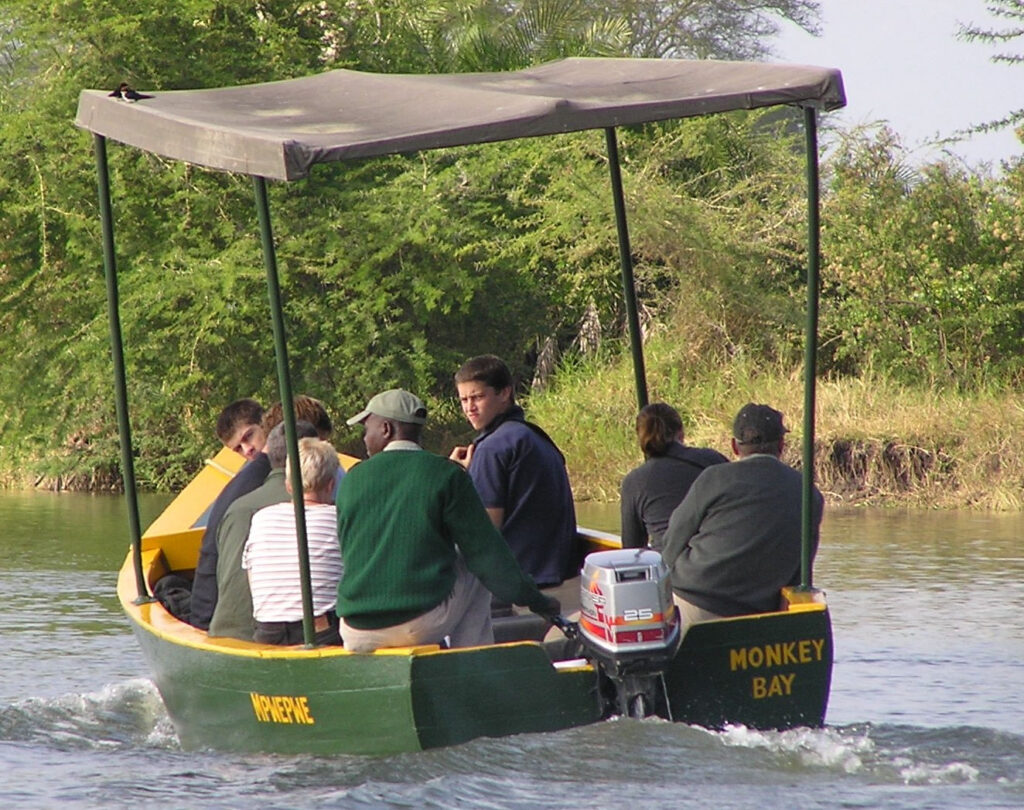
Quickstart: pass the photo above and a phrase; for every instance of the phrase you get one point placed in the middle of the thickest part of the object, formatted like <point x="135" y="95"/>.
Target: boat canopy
<point x="280" y="130"/>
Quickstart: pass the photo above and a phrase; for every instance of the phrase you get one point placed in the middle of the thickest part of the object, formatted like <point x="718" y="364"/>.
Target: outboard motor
<point x="630" y="627"/>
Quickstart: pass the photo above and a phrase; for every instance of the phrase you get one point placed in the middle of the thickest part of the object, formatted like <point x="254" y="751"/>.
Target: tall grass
<point x="877" y="441"/>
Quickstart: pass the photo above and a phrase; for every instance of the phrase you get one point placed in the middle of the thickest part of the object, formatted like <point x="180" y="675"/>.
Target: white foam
<point x="106" y="718"/>
<point x="815" y="747"/>
<point x="916" y="773"/>
<point x="850" y="750"/>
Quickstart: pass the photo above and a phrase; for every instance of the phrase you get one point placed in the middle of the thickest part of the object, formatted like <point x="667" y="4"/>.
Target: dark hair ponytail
<point x="657" y="426"/>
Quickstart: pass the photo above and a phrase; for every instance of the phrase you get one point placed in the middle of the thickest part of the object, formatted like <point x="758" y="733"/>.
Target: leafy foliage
<point x="396" y="269"/>
<point x="924" y="270"/>
<point x="411" y="263"/>
<point x="706" y="29"/>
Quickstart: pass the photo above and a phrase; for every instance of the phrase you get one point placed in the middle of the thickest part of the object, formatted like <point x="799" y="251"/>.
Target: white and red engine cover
<point x="626" y="601"/>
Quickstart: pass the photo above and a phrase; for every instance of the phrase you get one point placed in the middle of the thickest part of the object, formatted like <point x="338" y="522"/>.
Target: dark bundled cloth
<point x="174" y="592"/>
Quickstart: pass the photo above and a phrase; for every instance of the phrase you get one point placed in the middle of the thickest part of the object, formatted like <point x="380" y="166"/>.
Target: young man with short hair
<point x="519" y="473"/>
<point x="239" y="428"/>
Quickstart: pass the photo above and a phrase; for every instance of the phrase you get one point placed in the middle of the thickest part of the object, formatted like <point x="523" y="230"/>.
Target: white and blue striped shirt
<point x="271" y="557"/>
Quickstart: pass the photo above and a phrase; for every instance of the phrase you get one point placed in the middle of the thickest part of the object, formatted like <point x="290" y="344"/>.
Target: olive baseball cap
<point x="396" y="404"/>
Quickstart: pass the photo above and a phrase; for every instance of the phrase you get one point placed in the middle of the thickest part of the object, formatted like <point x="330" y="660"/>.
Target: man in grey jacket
<point x="734" y="541"/>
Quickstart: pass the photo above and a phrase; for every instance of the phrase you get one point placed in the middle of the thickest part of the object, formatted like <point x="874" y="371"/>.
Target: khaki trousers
<point x="689" y="613"/>
<point x="461" y="620"/>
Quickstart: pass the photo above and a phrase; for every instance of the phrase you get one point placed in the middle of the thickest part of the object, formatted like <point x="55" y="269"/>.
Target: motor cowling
<point x="629" y="624"/>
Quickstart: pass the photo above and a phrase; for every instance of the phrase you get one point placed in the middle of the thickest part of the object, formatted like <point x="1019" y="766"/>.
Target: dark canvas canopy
<point x="279" y="130"/>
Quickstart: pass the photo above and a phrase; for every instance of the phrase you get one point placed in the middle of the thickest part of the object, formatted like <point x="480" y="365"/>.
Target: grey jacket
<point x="734" y="541"/>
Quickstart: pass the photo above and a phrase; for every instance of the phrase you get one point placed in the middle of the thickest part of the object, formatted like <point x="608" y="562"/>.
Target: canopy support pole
<point x="636" y="341"/>
<point x="287" y="404"/>
<point x="810" y="342"/>
<point x="117" y="355"/>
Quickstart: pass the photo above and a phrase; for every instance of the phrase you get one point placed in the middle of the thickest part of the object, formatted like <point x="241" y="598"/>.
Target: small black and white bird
<point x="127" y="93"/>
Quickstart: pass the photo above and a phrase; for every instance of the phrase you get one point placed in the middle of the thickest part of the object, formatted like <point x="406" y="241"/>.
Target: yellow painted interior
<point x="795" y="600"/>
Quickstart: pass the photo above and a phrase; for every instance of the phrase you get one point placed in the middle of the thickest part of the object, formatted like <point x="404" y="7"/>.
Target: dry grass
<point x="922" y="447"/>
<point x="877" y="442"/>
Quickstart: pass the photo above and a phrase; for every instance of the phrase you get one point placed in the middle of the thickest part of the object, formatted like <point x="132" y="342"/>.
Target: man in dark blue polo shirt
<point x="519" y="473"/>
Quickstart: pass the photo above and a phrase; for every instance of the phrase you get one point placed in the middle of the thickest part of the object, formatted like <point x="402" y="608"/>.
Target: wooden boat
<point x="765" y="671"/>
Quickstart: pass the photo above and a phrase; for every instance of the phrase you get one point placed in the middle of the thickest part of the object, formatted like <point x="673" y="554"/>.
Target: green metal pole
<point x="626" y="259"/>
<point x="810" y="341"/>
<point x="117" y="355"/>
<point x="287" y="404"/>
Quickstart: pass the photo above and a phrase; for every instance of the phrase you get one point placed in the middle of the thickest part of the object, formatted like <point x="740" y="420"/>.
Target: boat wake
<point x="910" y="755"/>
<point x="119" y="715"/>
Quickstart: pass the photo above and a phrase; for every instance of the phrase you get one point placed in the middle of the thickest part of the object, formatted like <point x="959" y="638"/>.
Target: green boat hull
<point x="364" y="704"/>
<point x="768" y="672"/>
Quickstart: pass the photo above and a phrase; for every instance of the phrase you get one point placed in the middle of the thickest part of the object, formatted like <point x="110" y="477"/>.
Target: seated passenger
<point x="420" y="552"/>
<point x="271" y="554"/>
<point x="734" y="541"/>
<point x="239" y="428"/>
<point x="518" y="472"/>
<point x="251" y="476"/>
<point x="232" y="615"/>
<point x="653" y="490"/>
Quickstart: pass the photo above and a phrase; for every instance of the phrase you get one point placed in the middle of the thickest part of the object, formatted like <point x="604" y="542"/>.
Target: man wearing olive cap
<point x="733" y="542"/>
<point x="421" y="555"/>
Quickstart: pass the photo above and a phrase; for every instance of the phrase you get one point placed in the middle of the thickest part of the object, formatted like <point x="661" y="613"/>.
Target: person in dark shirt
<point x="239" y="428"/>
<point x="651" y="492"/>
<point x="735" y="540"/>
<point x="519" y="473"/>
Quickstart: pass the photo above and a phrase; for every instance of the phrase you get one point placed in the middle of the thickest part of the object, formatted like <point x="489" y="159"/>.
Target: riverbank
<point x="877" y="443"/>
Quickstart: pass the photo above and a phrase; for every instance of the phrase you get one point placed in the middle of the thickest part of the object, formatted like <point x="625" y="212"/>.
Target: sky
<point x="902" y="63"/>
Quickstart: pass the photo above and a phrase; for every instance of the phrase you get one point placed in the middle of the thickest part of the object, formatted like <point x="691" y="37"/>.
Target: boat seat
<point x="519" y="627"/>
<point x="512" y="626"/>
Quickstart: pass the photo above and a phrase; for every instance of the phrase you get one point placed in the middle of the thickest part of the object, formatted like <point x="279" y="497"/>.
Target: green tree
<point x="923" y="276"/>
<point x="708" y="29"/>
<point x="410" y="263"/>
<point x="374" y="297"/>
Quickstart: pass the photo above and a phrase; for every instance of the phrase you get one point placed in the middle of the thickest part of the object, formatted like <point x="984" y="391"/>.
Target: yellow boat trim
<point x="193" y="501"/>
<point x="158" y="622"/>
<point x="212" y="462"/>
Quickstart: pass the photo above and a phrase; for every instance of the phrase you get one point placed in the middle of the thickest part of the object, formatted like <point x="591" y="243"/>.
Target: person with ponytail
<point x="651" y="492"/>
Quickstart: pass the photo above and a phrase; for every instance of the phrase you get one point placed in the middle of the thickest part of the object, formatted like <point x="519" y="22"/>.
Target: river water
<point x="926" y="708"/>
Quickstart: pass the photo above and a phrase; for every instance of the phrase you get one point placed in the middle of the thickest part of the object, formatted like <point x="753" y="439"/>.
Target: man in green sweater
<point x="422" y="557"/>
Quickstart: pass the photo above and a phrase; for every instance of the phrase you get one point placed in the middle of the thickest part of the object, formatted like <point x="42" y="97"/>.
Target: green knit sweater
<point x="401" y="516"/>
